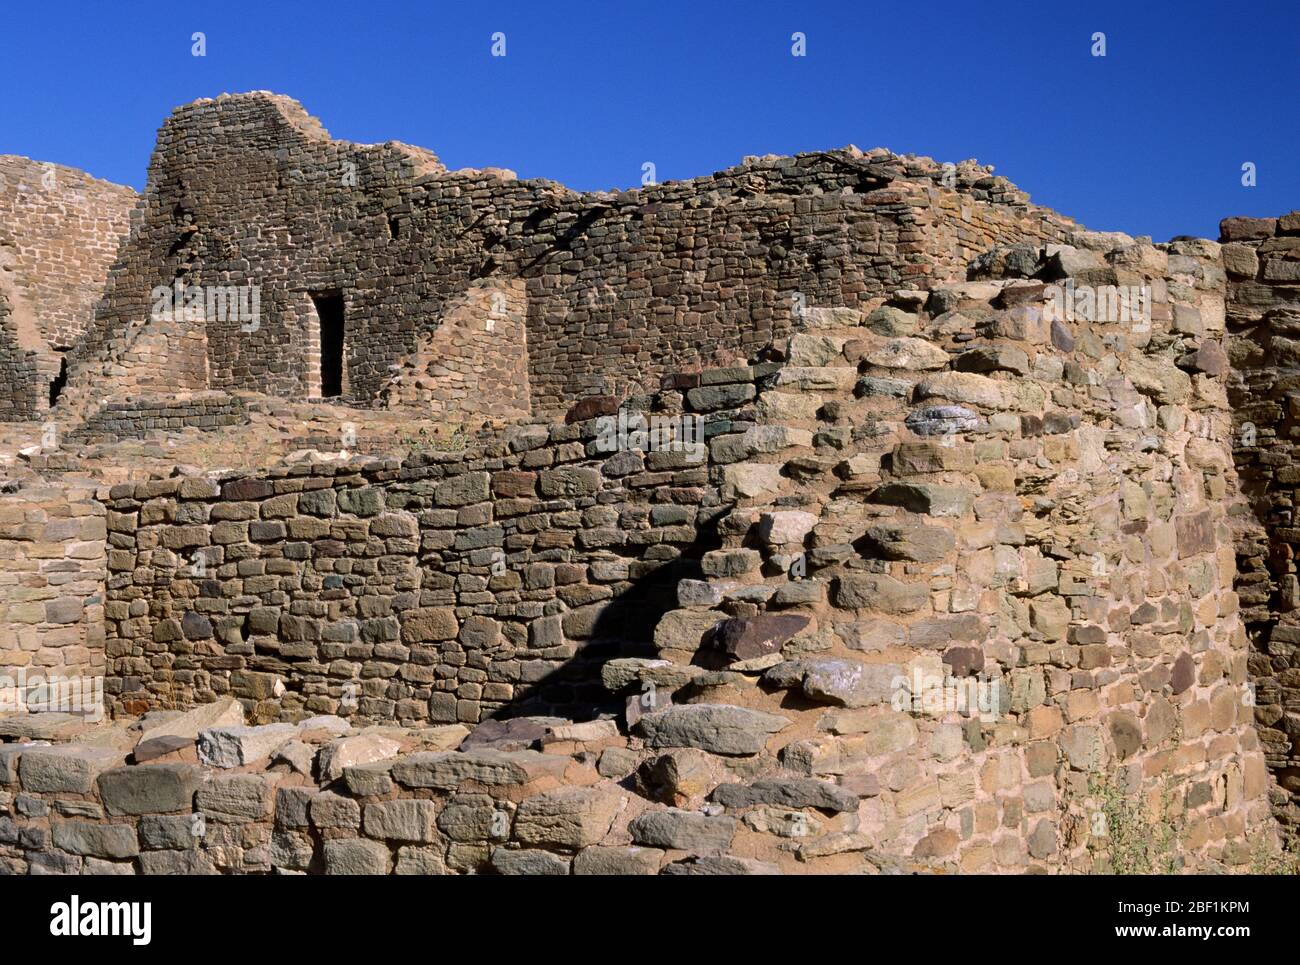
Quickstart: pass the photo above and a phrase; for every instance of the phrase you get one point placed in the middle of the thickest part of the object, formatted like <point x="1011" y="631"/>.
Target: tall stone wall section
<point x="1262" y="260"/>
<point x="621" y="287"/>
<point x="60" y="231"/>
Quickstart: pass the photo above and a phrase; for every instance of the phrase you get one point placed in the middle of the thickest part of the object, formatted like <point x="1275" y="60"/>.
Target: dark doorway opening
<point x="329" y="309"/>
<point x="60" y="380"/>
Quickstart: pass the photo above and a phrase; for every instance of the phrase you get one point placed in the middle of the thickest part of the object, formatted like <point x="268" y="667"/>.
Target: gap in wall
<point x="333" y="327"/>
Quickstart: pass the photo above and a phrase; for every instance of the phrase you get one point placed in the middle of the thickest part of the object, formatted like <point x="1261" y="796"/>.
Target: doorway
<point x="330" y="312"/>
<point x="60" y="380"/>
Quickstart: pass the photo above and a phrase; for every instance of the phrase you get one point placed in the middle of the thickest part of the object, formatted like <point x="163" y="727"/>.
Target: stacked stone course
<point x="141" y="417"/>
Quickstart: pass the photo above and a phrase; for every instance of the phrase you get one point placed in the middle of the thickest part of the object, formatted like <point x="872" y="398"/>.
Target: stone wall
<point x="60" y="230"/>
<point x="1262" y="259"/>
<point x="767" y="650"/>
<point x="135" y="420"/>
<point x="898" y="526"/>
<point x="52" y="570"/>
<point x="475" y="363"/>
<point x="20" y="383"/>
<point x="448" y="588"/>
<point x="621" y="287"/>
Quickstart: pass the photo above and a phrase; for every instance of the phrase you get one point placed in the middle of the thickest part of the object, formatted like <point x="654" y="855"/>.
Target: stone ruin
<point x="843" y="513"/>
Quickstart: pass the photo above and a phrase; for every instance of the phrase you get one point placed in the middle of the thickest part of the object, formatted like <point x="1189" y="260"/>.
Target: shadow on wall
<point x="624" y="629"/>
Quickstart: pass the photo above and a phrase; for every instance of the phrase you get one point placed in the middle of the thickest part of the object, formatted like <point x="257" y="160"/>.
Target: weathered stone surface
<point x="1160" y="379"/>
<point x="96" y="840"/>
<point x="993" y="358"/>
<point x="963" y="387"/>
<point x="786" y="527"/>
<point x="684" y="629"/>
<point x="886" y="320"/>
<point x="328" y="810"/>
<point x="235" y="798"/>
<point x="911" y="541"/>
<point x="876" y="591"/>
<point x="176" y="863"/>
<point x="237" y="746"/>
<point x="792" y="792"/>
<point x="847" y="683"/>
<point x="448" y="769"/>
<point x="69" y="768"/>
<point x="683" y="830"/>
<point x="933" y="500"/>
<point x="528" y="861"/>
<point x="350" y="751"/>
<point x="356" y="856"/>
<point x="419" y="861"/>
<point x="571" y="817"/>
<point x="224" y="712"/>
<point x="680" y="777"/>
<point x="410" y="821"/>
<point x="723" y="864"/>
<point x="155" y="788"/>
<point x="911" y="354"/>
<point x="718" y="728"/>
<point x="614" y="860"/>
<point x="746" y="638"/>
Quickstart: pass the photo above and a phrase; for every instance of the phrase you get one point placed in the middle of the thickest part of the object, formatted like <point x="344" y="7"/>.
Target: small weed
<point x="1133" y="841"/>
<point x="1267" y="857"/>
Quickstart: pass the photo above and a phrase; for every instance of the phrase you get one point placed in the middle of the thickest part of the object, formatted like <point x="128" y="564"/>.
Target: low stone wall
<point x="243" y="800"/>
<point x="450" y="587"/>
<point x="138" y="418"/>
<point x="52" y="570"/>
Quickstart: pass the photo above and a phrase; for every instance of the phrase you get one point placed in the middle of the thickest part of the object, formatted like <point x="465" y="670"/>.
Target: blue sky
<point x="1149" y="139"/>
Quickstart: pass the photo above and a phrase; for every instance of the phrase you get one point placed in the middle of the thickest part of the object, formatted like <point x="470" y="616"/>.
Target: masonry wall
<point x="621" y="287"/>
<point x="1262" y="260"/>
<point x="52" y="571"/>
<point x="900" y="505"/>
<point x="20" y="385"/>
<point x="448" y="589"/>
<point x="208" y="412"/>
<point x="475" y="363"/>
<point x="60" y="231"/>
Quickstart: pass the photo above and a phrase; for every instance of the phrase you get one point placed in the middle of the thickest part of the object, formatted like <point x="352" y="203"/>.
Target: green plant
<point x="1132" y="840"/>
<point x="453" y="440"/>
<point x="1267" y="857"/>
